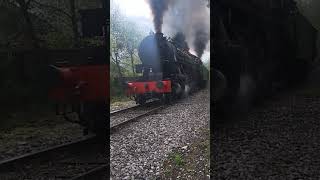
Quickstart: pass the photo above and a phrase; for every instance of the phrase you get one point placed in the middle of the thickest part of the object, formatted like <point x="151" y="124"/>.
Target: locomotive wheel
<point x="177" y="90"/>
<point x="95" y="116"/>
<point x="182" y="93"/>
<point x="167" y="98"/>
<point x="187" y="89"/>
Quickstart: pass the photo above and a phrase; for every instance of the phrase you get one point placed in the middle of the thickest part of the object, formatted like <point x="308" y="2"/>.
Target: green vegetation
<point x="189" y="162"/>
<point x="178" y="159"/>
<point x="125" y="36"/>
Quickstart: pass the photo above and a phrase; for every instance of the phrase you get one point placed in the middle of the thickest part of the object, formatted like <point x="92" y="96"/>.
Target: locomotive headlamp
<point x="160" y="84"/>
<point x="129" y="85"/>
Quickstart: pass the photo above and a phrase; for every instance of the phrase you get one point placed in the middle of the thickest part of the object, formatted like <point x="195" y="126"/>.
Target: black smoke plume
<point x="200" y="41"/>
<point x="180" y="40"/>
<point x="191" y="18"/>
<point x="158" y="8"/>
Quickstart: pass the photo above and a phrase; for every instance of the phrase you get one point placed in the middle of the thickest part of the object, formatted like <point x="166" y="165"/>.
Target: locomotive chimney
<point x="159" y="34"/>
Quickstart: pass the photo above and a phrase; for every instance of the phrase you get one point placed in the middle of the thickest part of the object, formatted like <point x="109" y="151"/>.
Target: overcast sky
<point x="139" y="12"/>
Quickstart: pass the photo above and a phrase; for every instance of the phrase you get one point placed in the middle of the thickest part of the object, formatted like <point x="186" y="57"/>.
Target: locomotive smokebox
<point x="159" y="34"/>
<point x="154" y="50"/>
<point x="149" y="52"/>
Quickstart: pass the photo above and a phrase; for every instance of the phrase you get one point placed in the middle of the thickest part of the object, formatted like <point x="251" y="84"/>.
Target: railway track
<point x="45" y="152"/>
<point x="122" y="118"/>
<point x="113" y="113"/>
<point x="95" y="173"/>
<point x="79" y="159"/>
<point x="48" y="163"/>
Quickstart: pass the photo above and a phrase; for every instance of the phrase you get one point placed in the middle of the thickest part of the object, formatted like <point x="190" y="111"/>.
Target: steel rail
<point x="9" y="163"/>
<point x="133" y="108"/>
<point x="115" y="128"/>
<point x="93" y="173"/>
<point x="124" y="110"/>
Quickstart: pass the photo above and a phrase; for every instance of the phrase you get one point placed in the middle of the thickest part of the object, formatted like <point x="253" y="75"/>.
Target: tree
<point x="125" y="37"/>
<point x="24" y="7"/>
<point x="74" y="22"/>
<point x="62" y="15"/>
<point x="116" y="38"/>
<point x="133" y="38"/>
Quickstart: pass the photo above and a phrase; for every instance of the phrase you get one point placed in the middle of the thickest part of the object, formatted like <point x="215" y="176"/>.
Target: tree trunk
<point x="132" y="65"/>
<point x="29" y="24"/>
<point x="118" y="65"/>
<point x="74" y="23"/>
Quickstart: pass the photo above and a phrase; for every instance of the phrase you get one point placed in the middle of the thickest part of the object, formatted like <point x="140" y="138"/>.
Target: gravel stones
<point x="121" y="105"/>
<point x="28" y="139"/>
<point x="189" y="162"/>
<point x="139" y="150"/>
<point x="279" y="140"/>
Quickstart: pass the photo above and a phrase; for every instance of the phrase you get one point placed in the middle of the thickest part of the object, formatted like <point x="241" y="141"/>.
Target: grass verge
<point x="189" y="162"/>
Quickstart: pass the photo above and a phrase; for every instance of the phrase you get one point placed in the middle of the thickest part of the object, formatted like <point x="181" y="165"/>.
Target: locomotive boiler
<point x="168" y="70"/>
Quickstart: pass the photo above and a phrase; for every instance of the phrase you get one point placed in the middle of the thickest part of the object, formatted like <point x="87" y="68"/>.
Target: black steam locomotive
<point x="168" y="70"/>
<point x="259" y="48"/>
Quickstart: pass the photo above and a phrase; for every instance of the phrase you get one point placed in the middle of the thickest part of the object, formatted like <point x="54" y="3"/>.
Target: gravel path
<point x="139" y="150"/>
<point x="280" y="140"/>
<point x="121" y="105"/>
<point x="22" y="140"/>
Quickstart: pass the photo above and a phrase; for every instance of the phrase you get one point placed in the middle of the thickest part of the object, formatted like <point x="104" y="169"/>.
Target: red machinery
<point x="80" y="77"/>
<point x="80" y="84"/>
<point x="136" y="88"/>
<point x="142" y="90"/>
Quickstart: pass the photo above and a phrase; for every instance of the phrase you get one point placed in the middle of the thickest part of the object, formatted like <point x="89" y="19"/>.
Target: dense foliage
<point x="125" y="36"/>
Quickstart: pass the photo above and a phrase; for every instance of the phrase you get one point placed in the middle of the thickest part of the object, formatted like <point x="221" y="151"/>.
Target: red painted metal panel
<point x="148" y="86"/>
<point x="82" y="83"/>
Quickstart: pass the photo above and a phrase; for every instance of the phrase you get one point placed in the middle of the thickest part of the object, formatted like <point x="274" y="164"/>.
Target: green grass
<point x="181" y="163"/>
<point x="177" y="159"/>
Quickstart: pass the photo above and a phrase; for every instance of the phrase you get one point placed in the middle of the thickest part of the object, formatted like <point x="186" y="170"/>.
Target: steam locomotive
<point x="168" y="70"/>
<point x="80" y="85"/>
<point x="259" y="48"/>
<point x="80" y="77"/>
